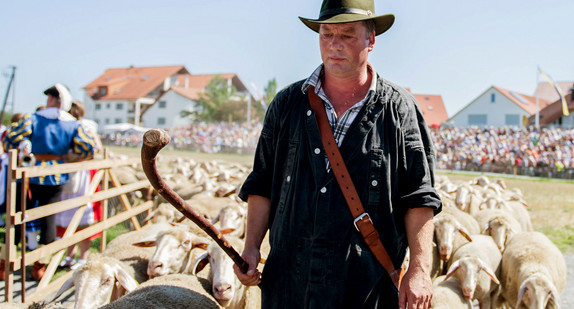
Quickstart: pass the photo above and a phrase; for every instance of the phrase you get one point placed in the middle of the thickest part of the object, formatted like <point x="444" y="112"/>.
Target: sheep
<point x="468" y="264"/>
<point x="533" y="272"/>
<point x="174" y="250"/>
<point x="515" y="208"/>
<point x="500" y="225"/>
<point x="136" y="258"/>
<point x="447" y="294"/>
<point x="163" y="213"/>
<point x="449" y="223"/>
<point x="101" y="280"/>
<point x="226" y="287"/>
<point x="466" y="199"/>
<point x="171" y="291"/>
<point x="232" y="220"/>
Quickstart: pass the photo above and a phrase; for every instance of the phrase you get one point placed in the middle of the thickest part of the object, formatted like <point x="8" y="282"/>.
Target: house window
<point x="492" y="98"/>
<point x="118" y="120"/>
<point x="161" y="121"/>
<point x="108" y="106"/>
<point x="98" y="106"/>
<point x="102" y="91"/>
<point x="512" y="120"/>
<point x="162" y="104"/>
<point x="477" y="120"/>
<point x="107" y="120"/>
<point x="119" y="106"/>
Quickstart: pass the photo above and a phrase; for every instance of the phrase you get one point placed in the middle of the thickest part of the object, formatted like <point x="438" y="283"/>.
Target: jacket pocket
<point x="376" y="174"/>
<point x="288" y="176"/>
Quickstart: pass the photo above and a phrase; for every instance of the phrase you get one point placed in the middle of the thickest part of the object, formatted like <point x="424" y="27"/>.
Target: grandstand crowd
<point x="548" y="152"/>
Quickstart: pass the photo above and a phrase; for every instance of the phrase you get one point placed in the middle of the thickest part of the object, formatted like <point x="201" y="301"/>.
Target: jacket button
<point x="309" y="113"/>
<point x="323" y="190"/>
<point x="317" y="151"/>
<point x="288" y="178"/>
<point x="374" y="183"/>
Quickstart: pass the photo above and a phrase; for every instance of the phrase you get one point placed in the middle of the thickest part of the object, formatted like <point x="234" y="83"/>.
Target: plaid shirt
<point x="339" y="125"/>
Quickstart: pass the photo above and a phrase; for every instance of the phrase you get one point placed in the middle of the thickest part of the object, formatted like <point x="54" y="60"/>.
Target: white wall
<point x="496" y="112"/>
<point x="174" y="104"/>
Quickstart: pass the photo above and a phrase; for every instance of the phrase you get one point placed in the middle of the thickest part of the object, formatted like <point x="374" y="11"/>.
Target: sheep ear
<point x="489" y="272"/>
<point x="227" y="231"/>
<point x="200" y="263"/>
<point x="146" y="242"/>
<point x="126" y="281"/>
<point x="485" y="228"/>
<point x="521" y="293"/>
<point x="215" y="220"/>
<point x="463" y="232"/>
<point x="66" y="286"/>
<point x="200" y="242"/>
<point x="151" y="214"/>
<point x="452" y="269"/>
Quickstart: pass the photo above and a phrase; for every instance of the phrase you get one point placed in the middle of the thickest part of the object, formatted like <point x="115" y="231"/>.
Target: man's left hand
<point x="416" y="290"/>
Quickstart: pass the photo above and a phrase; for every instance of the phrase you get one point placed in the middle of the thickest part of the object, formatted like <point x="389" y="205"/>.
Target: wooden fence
<point x="17" y="219"/>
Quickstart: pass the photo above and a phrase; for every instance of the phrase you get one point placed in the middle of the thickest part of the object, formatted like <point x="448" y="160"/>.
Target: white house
<point x="497" y="107"/>
<point x="148" y="96"/>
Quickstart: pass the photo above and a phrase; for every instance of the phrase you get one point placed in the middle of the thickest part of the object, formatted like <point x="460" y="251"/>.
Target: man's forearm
<point x="419" y="227"/>
<point x="257" y="220"/>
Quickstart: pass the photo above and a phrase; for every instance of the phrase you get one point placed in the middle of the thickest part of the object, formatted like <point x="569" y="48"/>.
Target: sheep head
<point x="538" y="291"/>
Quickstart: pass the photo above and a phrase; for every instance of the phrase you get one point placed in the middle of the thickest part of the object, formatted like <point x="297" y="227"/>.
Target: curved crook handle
<point x="153" y="141"/>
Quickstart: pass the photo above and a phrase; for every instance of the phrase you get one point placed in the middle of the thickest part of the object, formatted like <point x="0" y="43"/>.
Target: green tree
<point x="213" y="104"/>
<point x="270" y="91"/>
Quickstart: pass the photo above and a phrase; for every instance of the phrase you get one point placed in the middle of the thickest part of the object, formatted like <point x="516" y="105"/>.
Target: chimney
<point x="186" y="80"/>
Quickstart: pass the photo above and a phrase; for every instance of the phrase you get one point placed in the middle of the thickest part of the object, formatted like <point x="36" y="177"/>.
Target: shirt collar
<point x="315" y="79"/>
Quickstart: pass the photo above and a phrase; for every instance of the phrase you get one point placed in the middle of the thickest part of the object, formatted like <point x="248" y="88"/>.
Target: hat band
<point x="344" y="11"/>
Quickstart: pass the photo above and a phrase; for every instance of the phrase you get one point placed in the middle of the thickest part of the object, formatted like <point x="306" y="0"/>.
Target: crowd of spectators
<point x="208" y="137"/>
<point x="548" y="152"/>
<point x="512" y="150"/>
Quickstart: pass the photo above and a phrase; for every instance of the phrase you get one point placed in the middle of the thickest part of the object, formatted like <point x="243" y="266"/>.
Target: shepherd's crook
<point x="153" y="141"/>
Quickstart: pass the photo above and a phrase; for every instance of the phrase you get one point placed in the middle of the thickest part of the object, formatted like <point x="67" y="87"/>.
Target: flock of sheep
<point x="486" y="252"/>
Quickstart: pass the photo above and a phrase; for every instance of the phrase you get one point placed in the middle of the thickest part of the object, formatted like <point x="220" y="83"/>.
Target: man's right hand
<point x="253" y="276"/>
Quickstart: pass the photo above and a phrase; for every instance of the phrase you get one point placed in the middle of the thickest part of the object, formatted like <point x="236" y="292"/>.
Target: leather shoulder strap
<point x="362" y="221"/>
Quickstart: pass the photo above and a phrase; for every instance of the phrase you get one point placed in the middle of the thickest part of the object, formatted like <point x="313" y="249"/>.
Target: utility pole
<point x="7" y="93"/>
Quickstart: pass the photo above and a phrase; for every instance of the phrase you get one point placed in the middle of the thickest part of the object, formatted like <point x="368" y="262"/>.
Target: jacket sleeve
<point x="417" y="175"/>
<point x="83" y="143"/>
<point x="18" y="132"/>
<point x="259" y="181"/>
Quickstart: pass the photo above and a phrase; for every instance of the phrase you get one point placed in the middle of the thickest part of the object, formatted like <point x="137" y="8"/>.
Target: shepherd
<point x="343" y="180"/>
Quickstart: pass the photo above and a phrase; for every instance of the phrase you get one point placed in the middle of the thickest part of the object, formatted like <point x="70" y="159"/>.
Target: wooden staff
<point x="153" y="141"/>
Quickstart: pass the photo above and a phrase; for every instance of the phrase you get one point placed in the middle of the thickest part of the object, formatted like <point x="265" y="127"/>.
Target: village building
<point x="497" y="107"/>
<point x="149" y="96"/>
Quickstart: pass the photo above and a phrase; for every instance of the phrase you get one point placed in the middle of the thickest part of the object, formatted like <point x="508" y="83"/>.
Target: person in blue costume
<point x="318" y="259"/>
<point x="54" y="134"/>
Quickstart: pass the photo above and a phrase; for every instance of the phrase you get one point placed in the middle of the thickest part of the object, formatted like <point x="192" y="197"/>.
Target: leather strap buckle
<point x="360" y="218"/>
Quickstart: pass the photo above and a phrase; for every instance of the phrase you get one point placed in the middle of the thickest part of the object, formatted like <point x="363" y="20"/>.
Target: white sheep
<point x="226" y="287"/>
<point x="533" y="272"/>
<point x="136" y="258"/>
<point x="447" y="294"/>
<point x="171" y="291"/>
<point x="516" y="208"/>
<point x="475" y="265"/>
<point x="466" y="199"/>
<point x="452" y="227"/>
<point x="101" y="280"/>
<point x="174" y="251"/>
<point x="163" y="213"/>
<point x="232" y="220"/>
<point x="498" y="224"/>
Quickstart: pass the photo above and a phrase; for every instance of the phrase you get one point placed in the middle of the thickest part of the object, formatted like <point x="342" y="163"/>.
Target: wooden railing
<point x="18" y="219"/>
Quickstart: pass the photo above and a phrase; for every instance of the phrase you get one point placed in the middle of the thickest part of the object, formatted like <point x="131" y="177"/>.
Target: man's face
<point x="345" y="47"/>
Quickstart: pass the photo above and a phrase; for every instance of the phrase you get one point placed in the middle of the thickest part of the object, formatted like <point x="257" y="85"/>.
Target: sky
<point x="456" y="49"/>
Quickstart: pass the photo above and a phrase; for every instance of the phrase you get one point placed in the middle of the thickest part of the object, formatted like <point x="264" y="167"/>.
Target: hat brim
<point x="382" y="22"/>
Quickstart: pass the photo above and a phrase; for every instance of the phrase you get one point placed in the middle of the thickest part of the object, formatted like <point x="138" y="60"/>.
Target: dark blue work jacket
<point x="317" y="258"/>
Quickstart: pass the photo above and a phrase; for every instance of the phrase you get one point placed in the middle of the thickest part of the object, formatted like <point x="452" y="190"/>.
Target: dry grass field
<point x="551" y="202"/>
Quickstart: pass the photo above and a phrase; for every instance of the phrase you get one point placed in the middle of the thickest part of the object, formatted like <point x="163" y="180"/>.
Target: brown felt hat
<point x="346" y="11"/>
